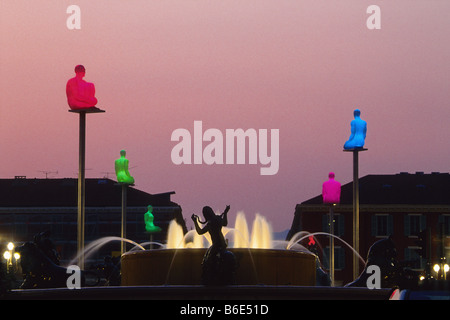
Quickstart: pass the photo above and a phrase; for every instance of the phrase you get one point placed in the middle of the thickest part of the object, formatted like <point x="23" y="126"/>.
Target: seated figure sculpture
<point x="358" y="132"/>
<point x="219" y="265"/>
<point x="148" y="218"/>
<point x="331" y="190"/>
<point x="383" y="254"/>
<point x="121" y="167"/>
<point x="80" y="94"/>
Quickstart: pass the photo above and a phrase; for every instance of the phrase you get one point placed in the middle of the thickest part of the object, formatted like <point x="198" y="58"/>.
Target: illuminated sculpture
<point x="80" y="94"/>
<point x="218" y="264"/>
<point x="148" y="218"/>
<point x="358" y="132"/>
<point x="331" y="190"/>
<point x="121" y="166"/>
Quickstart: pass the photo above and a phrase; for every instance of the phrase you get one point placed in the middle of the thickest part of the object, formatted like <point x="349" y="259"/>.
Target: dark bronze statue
<point x="40" y="265"/>
<point x="384" y="255"/>
<point x="219" y="264"/>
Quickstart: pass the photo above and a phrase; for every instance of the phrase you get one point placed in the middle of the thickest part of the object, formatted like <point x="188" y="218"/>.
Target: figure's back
<point x="215" y="230"/>
<point x="360" y="132"/>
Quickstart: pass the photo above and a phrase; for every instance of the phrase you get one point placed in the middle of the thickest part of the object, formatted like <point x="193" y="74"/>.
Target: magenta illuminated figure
<point x="331" y="190"/>
<point x="358" y="132"/>
<point x="80" y="94"/>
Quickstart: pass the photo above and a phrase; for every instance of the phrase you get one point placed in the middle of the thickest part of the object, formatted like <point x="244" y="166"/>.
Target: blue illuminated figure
<point x="358" y="132"/>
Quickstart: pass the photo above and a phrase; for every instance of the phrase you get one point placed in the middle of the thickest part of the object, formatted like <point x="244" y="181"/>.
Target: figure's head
<point x="150" y="209"/>
<point x="382" y="252"/>
<point x="79" y="68"/>
<point x="80" y="71"/>
<point x="357" y="112"/>
<point x="208" y="213"/>
<point x="331" y="175"/>
<point x="123" y="153"/>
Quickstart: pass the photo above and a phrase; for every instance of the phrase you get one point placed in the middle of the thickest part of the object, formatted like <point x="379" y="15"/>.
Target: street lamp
<point x="7" y="255"/>
<point x="10" y="246"/>
<point x="436" y="268"/>
<point x="445" y="269"/>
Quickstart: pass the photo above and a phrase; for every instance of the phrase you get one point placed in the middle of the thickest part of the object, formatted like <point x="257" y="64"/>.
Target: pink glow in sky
<point x="300" y="66"/>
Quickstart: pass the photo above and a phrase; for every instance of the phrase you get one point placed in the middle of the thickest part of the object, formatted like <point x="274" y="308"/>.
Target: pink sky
<point x="298" y="66"/>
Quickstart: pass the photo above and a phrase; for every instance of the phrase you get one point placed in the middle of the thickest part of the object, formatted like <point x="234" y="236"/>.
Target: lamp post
<point x="355" y="152"/>
<point x="150" y="227"/>
<point x="8" y="255"/>
<point x="355" y="144"/>
<point x="123" y="228"/>
<point x="331" y="194"/>
<point x="124" y="179"/>
<point x="81" y="180"/>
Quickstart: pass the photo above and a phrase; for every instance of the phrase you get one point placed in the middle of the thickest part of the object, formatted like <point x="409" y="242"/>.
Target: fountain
<point x="260" y="259"/>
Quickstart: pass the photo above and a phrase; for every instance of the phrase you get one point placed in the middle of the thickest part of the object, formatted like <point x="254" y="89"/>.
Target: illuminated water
<point x="240" y="236"/>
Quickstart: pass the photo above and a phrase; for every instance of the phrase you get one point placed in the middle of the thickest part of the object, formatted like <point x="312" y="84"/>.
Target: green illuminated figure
<point x="148" y="218"/>
<point x="121" y="166"/>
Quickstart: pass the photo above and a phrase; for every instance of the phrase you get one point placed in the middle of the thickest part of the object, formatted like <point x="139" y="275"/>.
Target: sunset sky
<point x="299" y="66"/>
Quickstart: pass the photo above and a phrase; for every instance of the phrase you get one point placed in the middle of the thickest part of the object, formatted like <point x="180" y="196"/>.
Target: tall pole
<point x="124" y="179"/>
<point x="81" y="190"/>
<point x="355" y="152"/>
<point x="81" y="181"/>
<point x="332" y="245"/>
<point x="355" y="212"/>
<point x="123" y="232"/>
<point x="331" y="194"/>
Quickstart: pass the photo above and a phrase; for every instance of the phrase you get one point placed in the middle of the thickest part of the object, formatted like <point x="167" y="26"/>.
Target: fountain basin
<point x="183" y="267"/>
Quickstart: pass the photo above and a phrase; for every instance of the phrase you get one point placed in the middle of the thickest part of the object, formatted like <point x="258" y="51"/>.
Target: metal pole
<point x="123" y="232"/>
<point x="332" y="245"/>
<point x="81" y="190"/>
<point x="81" y="182"/>
<point x="355" y="212"/>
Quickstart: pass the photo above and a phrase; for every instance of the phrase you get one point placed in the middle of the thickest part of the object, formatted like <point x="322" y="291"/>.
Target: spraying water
<point x="94" y="246"/>
<point x="297" y="239"/>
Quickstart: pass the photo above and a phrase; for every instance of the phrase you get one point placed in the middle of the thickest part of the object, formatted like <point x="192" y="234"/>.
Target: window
<point x="414" y="223"/>
<point x="413" y="259"/>
<point x="445" y="219"/>
<point x="382" y="225"/>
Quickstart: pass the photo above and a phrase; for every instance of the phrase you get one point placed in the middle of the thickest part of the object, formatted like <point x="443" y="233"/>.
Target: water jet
<point x="259" y="262"/>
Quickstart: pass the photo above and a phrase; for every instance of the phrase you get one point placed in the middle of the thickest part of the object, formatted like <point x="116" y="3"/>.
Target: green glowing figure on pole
<point x="121" y="166"/>
<point x="148" y="218"/>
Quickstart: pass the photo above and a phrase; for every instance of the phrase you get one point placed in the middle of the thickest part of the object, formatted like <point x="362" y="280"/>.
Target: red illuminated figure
<point x="331" y="190"/>
<point x="80" y="94"/>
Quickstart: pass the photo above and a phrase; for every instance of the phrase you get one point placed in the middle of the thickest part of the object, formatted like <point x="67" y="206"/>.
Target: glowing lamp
<point x="331" y="190"/>
<point x="121" y="167"/>
<point x="10" y="246"/>
<point x="7" y="255"/>
<point x="358" y="132"/>
<point x="436" y="268"/>
<point x="148" y="218"/>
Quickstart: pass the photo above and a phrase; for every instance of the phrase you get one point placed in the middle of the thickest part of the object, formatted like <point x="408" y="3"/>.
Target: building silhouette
<point x="398" y="205"/>
<point x="31" y="206"/>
